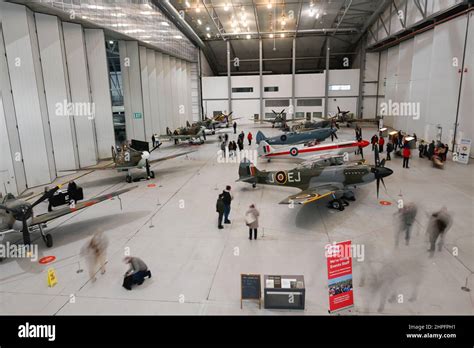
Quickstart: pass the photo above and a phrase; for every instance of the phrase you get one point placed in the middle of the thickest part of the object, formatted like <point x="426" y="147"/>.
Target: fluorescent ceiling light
<point x="208" y="35"/>
<point x="207" y="28"/>
<point x="165" y="24"/>
<point x="271" y="36"/>
<point x="199" y="21"/>
<point x="249" y="36"/>
<point x="188" y="5"/>
<point x="178" y="37"/>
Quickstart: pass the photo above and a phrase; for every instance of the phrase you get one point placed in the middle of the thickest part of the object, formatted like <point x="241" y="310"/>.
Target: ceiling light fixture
<point x="271" y="36"/>
<point x="226" y="6"/>
<point x="282" y="35"/>
<point x="199" y="21"/>
<point x="188" y="5"/>
<point x="208" y="28"/>
<point x="269" y="5"/>
<point x="249" y="36"/>
<point x="208" y="35"/>
<point x="165" y="24"/>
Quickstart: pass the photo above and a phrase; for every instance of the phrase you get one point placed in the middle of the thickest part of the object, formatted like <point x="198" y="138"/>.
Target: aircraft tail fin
<point x="264" y="149"/>
<point x="247" y="171"/>
<point x="260" y="137"/>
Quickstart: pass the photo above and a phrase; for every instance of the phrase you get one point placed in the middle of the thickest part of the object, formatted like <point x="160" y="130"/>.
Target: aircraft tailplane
<point x="264" y="148"/>
<point x="260" y="137"/>
<point x="247" y="171"/>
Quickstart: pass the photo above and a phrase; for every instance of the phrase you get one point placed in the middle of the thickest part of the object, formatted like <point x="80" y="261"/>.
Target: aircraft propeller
<point x="380" y="171"/>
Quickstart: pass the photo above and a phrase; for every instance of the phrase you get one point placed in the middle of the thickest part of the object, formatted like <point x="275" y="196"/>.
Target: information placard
<point x="250" y="288"/>
<point x="339" y="265"/>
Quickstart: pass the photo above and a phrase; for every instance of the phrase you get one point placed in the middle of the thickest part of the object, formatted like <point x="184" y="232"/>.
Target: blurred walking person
<point x="95" y="252"/>
<point x="407" y="216"/>
<point x="249" y="138"/>
<point x="227" y="198"/>
<point x="251" y="220"/>
<point x="440" y="223"/>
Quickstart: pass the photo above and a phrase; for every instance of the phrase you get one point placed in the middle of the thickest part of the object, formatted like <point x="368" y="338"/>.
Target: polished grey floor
<point x="196" y="267"/>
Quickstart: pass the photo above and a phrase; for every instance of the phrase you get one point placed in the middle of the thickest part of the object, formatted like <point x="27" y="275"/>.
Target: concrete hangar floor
<point x="196" y="269"/>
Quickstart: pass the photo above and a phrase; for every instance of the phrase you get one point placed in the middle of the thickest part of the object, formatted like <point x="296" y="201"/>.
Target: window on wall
<point x="299" y="115"/>
<point x="317" y="115"/>
<point x="242" y="90"/>
<point x="271" y="89"/>
<point x="340" y="87"/>
<point x="310" y="102"/>
<point x="271" y="103"/>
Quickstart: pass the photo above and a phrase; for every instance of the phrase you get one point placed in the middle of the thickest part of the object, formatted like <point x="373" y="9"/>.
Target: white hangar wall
<point x="277" y="94"/>
<point x="426" y="71"/>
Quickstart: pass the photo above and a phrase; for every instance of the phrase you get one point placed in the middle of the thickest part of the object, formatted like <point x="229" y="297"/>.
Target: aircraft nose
<point x="384" y="172"/>
<point x="364" y="143"/>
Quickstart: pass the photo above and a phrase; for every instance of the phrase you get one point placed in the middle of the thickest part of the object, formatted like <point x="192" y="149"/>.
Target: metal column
<point x="328" y="52"/>
<point x="293" y="79"/>
<point x="362" y="60"/>
<point x="229" y="81"/>
<point x="260" y="61"/>
<point x="199" y="82"/>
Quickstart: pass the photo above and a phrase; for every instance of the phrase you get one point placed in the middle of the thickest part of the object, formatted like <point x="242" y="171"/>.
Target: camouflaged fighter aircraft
<point x="310" y="125"/>
<point x="293" y="138"/>
<point x="16" y="215"/>
<point x="193" y="134"/>
<point x="319" y="179"/>
<point x="280" y="118"/>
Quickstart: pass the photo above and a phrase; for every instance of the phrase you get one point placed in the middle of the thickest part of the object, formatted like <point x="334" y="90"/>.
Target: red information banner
<point x="339" y="264"/>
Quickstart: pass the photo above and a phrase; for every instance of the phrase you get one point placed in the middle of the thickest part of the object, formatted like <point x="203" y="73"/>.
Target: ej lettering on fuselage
<point x="283" y="177"/>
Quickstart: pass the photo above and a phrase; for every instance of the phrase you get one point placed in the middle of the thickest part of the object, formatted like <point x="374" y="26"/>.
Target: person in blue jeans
<point x="228" y="197"/>
<point x="136" y="273"/>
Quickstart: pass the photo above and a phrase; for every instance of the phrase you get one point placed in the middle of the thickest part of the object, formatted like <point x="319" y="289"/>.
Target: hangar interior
<point x="80" y="78"/>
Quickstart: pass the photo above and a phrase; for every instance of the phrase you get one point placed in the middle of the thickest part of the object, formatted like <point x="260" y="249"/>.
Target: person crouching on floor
<point x="136" y="273"/>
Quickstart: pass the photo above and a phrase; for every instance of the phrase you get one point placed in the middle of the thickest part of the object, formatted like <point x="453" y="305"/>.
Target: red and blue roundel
<point x="294" y="152"/>
<point x="281" y="177"/>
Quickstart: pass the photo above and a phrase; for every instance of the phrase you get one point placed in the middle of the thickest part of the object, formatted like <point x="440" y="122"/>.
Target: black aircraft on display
<point x="291" y="138"/>
<point x="16" y="214"/>
<point x="319" y="179"/>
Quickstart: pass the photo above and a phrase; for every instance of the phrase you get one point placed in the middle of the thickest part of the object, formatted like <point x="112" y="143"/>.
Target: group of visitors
<point x="223" y="207"/>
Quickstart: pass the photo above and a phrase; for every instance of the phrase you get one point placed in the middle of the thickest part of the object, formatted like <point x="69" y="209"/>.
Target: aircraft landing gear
<point x="152" y="174"/>
<point x="349" y="195"/>
<point x="128" y="179"/>
<point x="47" y="238"/>
<point x="254" y="185"/>
<point x="338" y="204"/>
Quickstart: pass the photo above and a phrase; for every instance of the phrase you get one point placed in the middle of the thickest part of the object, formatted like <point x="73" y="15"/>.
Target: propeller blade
<point x="378" y="187"/>
<point x="26" y="233"/>
<point x="382" y="164"/>
<point x="376" y="154"/>
<point x="274" y="112"/>
<point x="383" y="183"/>
<point x="157" y="146"/>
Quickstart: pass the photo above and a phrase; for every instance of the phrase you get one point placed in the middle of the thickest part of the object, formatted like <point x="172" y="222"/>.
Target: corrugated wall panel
<point x="12" y="170"/>
<point x="168" y="93"/>
<point x="57" y="96"/>
<point x="195" y="104"/>
<point x="161" y="93"/>
<point x="29" y="118"/>
<point x="152" y="85"/>
<point x="145" y="93"/>
<point x="80" y="93"/>
<point x="100" y="90"/>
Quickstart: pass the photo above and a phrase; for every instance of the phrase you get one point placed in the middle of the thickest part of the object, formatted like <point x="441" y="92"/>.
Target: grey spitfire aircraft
<point x="280" y="118"/>
<point x="293" y="138"/>
<point x="319" y="179"/>
<point x="134" y="156"/>
<point x="16" y="215"/>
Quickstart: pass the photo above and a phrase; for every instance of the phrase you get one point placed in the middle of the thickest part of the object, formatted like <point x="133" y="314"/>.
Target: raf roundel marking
<point x="294" y="152"/>
<point x="281" y="177"/>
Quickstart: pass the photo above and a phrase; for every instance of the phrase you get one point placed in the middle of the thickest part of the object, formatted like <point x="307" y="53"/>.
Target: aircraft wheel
<point x="48" y="239"/>
<point x="152" y="174"/>
<point x="128" y="179"/>
<point x="254" y="185"/>
<point x="337" y="204"/>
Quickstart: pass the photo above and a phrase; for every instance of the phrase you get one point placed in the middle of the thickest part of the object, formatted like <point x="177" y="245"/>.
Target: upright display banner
<point x="339" y="264"/>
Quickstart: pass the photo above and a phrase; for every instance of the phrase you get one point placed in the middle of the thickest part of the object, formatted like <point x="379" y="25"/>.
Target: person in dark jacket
<point x="421" y="149"/>
<point x="136" y="273"/>
<point x="374" y="141"/>
<point x="381" y="143"/>
<point x="235" y="127"/>
<point x="220" y="210"/>
<point x="153" y="139"/>
<point x="439" y="224"/>
<point x="389" y="150"/>
<point x="406" y="152"/>
<point x="227" y="198"/>
<point x="431" y="150"/>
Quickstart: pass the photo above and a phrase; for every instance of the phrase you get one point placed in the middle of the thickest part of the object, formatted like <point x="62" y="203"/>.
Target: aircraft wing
<point x="40" y="219"/>
<point x="313" y="193"/>
<point x="171" y="156"/>
<point x="179" y="137"/>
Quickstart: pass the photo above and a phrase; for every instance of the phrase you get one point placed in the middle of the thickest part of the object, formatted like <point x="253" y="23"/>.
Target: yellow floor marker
<point x="52" y="280"/>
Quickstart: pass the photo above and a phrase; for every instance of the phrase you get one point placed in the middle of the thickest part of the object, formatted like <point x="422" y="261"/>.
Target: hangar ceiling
<point x="277" y="22"/>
